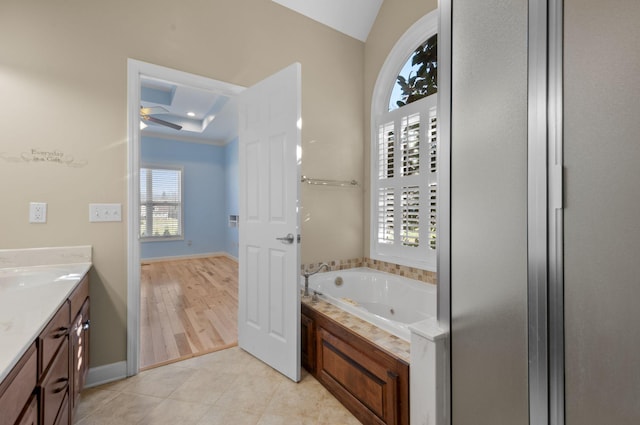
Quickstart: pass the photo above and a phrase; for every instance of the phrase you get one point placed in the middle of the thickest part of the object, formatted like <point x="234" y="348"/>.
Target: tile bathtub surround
<point x="388" y="342"/>
<point x="335" y="265"/>
<point x="225" y="387"/>
<point x="410" y="272"/>
<point x="44" y="256"/>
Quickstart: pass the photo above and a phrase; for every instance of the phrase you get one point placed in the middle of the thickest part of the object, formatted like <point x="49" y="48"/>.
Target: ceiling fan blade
<point x="151" y="110"/>
<point x="162" y="122"/>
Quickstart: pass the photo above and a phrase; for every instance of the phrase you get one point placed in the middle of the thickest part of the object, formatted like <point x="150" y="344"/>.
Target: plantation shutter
<point x="404" y="184"/>
<point x="433" y="178"/>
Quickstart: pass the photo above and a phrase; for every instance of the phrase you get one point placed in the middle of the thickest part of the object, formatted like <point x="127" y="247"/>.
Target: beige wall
<point x="394" y="19"/>
<point x="63" y="88"/>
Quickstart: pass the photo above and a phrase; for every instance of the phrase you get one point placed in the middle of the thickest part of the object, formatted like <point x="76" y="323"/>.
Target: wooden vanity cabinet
<point x="59" y="392"/>
<point x="43" y="387"/>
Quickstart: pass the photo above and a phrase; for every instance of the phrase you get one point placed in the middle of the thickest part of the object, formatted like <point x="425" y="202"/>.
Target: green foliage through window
<point x="421" y="74"/>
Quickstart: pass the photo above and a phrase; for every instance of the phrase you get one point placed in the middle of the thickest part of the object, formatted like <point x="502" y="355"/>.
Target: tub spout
<point x="308" y="274"/>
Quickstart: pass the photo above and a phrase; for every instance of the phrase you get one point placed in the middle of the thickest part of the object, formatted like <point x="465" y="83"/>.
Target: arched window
<point x="418" y="78"/>
<point x="404" y="151"/>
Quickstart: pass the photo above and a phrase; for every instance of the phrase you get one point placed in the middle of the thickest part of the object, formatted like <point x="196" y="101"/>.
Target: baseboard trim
<point x="108" y="373"/>
<point x="188" y="257"/>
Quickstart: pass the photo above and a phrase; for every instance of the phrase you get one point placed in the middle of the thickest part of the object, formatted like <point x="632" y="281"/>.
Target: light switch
<point x="105" y="212"/>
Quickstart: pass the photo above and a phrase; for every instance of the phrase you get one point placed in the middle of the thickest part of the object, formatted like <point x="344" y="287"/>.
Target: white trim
<point x="183" y="138"/>
<point x="443" y="254"/>
<point x="424" y="28"/>
<point x="188" y="257"/>
<point x="135" y="70"/>
<point x="107" y="373"/>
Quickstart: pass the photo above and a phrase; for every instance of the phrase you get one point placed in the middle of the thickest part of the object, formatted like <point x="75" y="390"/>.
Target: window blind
<point x="160" y="203"/>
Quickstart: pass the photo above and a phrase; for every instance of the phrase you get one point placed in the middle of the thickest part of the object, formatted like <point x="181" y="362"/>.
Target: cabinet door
<point x="79" y="352"/>
<point x="30" y="415"/>
<point x="55" y="386"/>
<point x="308" y="350"/>
<point x="17" y="388"/>
<point x="63" y="415"/>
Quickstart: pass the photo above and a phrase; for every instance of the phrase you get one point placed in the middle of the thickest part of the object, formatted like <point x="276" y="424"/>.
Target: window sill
<point x="403" y="261"/>
<point x="162" y="239"/>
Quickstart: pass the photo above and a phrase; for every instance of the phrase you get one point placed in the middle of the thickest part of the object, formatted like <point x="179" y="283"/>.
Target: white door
<point x="269" y="298"/>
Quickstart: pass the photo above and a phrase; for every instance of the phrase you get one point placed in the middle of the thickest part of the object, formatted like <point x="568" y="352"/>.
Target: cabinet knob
<point x="86" y="324"/>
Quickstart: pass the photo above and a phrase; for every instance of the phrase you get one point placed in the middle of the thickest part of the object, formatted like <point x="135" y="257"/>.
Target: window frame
<point x="153" y="166"/>
<point x="425" y="28"/>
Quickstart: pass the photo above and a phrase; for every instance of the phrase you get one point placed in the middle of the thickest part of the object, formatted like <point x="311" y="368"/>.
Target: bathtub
<point x="388" y="301"/>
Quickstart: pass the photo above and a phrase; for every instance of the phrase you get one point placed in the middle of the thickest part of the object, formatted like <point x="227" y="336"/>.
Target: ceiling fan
<point x="146" y="114"/>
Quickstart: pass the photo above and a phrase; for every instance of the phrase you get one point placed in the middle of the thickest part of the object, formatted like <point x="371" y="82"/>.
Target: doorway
<point x="177" y="270"/>
<point x="189" y="307"/>
<point x="269" y="157"/>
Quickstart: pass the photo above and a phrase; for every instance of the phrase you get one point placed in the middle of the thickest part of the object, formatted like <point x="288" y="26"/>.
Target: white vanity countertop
<point x="29" y="297"/>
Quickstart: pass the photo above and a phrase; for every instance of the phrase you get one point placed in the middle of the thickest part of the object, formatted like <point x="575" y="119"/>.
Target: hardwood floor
<point x="188" y="308"/>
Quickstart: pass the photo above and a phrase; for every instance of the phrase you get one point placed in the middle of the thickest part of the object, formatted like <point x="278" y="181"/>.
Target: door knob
<point x="287" y="239"/>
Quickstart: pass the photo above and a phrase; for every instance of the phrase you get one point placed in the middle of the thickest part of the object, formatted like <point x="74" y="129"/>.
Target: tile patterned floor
<point x="221" y="388"/>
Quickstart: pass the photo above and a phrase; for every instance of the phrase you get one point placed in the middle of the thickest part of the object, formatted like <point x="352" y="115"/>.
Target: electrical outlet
<point x="105" y="212"/>
<point x="38" y="212"/>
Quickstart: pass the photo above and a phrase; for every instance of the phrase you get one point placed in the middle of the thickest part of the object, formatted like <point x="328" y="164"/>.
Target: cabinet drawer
<point x="16" y="389"/>
<point x="55" y="385"/>
<point x="79" y="295"/>
<point x="52" y="336"/>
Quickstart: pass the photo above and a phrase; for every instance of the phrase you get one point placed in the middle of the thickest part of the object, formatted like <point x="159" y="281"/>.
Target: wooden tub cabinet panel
<point x="308" y="343"/>
<point x="370" y="382"/>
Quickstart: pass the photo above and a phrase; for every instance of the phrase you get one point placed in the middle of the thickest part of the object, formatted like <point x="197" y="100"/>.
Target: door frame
<point x="135" y="70"/>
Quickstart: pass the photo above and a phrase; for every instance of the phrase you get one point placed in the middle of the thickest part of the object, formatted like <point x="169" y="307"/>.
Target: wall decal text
<point x="38" y="155"/>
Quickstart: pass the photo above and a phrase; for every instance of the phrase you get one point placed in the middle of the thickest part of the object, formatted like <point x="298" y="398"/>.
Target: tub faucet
<point x="308" y="274"/>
